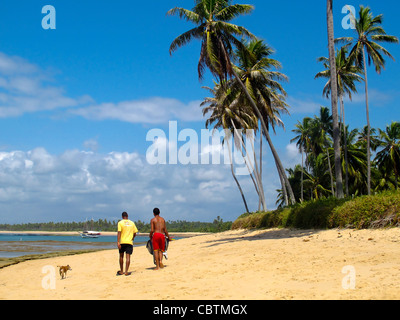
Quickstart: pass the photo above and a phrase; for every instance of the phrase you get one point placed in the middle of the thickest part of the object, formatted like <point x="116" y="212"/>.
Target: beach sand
<point x="235" y="265"/>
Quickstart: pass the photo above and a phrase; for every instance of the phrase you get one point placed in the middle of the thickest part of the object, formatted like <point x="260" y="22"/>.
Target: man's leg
<point x="157" y="258"/>
<point x="128" y="262"/>
<point x="121" y="263"/>
<point x="161" y="256"/>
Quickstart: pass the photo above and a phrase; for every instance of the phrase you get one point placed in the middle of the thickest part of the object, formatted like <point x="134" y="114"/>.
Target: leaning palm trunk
<point x="334" y="98"/>
<point x="302" y="174"/>
<point x="369" y="126"/>
<point x="234" y="177"/>
<point x="259" y="203"/>
<point x="346" y="159"/>
<point x="281" y="170"/>
<point x="259" y="188"/>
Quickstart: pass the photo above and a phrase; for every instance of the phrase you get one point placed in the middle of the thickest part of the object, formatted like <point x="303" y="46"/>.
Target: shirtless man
<point x="158" y="229"/>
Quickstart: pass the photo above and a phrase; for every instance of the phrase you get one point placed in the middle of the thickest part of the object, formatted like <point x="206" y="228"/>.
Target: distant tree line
<point x="218" y="225"/>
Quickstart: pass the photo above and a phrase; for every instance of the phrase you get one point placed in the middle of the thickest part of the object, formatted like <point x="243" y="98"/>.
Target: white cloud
<point x="306" y="105"/>
<point x="65" y="187"/>
<point x="150" y="111"/>
<point x="25" y="88"/>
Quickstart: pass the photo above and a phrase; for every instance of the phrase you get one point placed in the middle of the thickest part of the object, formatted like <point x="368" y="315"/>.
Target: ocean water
<point x="16" y="245"/>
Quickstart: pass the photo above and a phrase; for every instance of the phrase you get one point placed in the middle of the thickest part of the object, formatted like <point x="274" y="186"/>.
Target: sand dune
<point x="235" y="265"/>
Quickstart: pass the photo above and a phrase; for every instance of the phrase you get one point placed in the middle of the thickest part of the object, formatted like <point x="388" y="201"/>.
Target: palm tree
<point x="322" y="129"/>
<point x="369" y="34"/>
<point x="254" y="69"/>
<point x="302" y="129"/>
<point x="334" y="97"/>
<point x="347" y="75"/>
<point x="316" y="180"/>
<point x="212" y="19"/>
<point x="388" y="159"/>
<point x="356" y="162"/>
<point x="223" y="116"/>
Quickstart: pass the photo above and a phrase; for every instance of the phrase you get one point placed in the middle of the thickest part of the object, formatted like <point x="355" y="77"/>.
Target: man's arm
<point x="119" y="240"/>
<point x="165" y="230"/>
<point x="152" y="228"/>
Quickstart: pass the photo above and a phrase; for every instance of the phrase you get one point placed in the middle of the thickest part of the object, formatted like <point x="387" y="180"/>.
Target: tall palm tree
<point x="224" y="116"/>
<point x="316" y="180"/>
<point x="369" y="34"/>
<point x="218" y="36"/>
<point x="388" y="159"/>
<point x="322" y="129"/>
<point x="303" y="143"/>
<point x="347" y="75"/>
<point x="334" y="99"/>
<point x="254" y="66"/>
<point x="356" y="162"/>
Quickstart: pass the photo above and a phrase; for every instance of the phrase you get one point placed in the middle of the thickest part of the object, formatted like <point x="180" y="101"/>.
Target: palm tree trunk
<point x="346" y="159"/>
<point x="234" y="177"/>
<point x="334" y="98"/>
<point x="259" y="202"/>
<point x="302" y="174"/>
<point x="281" y="170"/>
<point x="254" y="168"/>
<point x="330" y="172"/>
<point x="368" y="125"/>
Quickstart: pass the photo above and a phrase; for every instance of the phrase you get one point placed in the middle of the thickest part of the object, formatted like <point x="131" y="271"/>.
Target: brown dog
<point x="63" y="271"/>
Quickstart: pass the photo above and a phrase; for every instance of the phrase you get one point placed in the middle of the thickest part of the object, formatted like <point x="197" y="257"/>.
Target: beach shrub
<point x="375" y="211"/>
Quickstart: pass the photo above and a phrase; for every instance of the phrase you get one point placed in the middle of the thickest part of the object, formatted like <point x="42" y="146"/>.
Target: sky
<point x="77" y="103"/>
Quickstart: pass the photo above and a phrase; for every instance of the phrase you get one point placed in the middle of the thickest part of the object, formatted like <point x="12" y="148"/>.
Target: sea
<point x="21" y="244"/>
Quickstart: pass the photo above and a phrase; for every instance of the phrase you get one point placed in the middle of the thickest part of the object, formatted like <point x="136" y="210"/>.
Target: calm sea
<point x="15" y="245"/>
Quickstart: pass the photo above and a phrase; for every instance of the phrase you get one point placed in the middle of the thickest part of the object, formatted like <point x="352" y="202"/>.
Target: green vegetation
<point x="376" y="211"/>
<point x="248" y="94"/>
<point x="217" y="225"/>
<point x="5" y="262"/>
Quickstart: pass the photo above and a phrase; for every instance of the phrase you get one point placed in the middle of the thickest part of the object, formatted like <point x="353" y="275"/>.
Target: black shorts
<point x="127" y="248"/>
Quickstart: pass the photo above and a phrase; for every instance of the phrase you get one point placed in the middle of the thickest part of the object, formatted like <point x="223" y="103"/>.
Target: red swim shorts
<point x="158" y="242"/>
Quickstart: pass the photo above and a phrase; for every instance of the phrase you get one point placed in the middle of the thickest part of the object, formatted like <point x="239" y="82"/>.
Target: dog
<point x="63" y="271"/>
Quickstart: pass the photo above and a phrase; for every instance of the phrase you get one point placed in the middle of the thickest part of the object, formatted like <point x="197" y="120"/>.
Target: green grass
<point x="377" y="211"/>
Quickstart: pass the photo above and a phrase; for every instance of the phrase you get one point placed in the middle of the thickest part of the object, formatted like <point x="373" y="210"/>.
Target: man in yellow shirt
<point x="126" y="234"/>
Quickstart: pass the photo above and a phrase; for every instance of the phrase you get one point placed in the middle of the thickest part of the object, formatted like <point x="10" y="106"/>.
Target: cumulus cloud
<point x="75" y="185"/>
<point x="26" y="88"/>
<point x="153" y="110"/>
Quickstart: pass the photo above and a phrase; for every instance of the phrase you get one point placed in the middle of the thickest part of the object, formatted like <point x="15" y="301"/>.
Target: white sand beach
<point x="235" y="265"/>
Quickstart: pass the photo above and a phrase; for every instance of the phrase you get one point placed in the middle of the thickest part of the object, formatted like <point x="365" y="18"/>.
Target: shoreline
<point x="104" y="233"/>
<point x="274" y="264"/>
<point x="10" y="261"/>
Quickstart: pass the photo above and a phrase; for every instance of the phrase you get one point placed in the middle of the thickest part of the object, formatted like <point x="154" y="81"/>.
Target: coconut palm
<point x="212" y="19"/>
<point x="254" y="66"/>
<point x="347" y="75"/>
<point x="303" y="143"/>
<point x="317" y="179"/>
<point x="356" y="162"/>
<point x="334" y="100"/>
<point x="218" y="37"/>
<point x="223" y="116"/>
<point x="388" y="159"/>
<point x="369" y="34"/>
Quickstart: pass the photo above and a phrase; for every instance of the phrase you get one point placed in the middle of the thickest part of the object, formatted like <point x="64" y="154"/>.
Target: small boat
<point x="90" y="234"/>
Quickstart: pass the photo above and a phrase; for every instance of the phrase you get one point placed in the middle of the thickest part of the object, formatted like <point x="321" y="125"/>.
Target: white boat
<point x="90" y="234"/>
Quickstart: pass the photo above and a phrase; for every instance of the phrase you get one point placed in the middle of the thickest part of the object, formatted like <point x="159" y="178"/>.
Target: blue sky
<point x="77" y="102"/>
